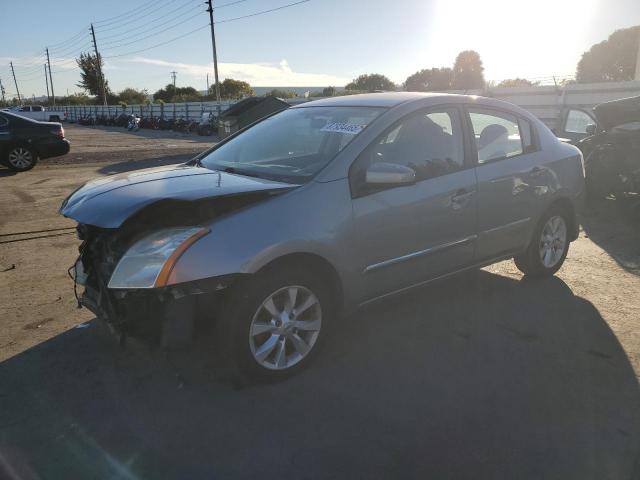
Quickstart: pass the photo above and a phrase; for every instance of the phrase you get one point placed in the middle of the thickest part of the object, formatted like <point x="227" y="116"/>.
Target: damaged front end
<point x="134" y="229"/>
<point x="165" y="315"/>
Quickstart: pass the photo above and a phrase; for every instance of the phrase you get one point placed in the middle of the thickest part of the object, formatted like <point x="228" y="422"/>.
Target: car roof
<point x="382" y="99"/>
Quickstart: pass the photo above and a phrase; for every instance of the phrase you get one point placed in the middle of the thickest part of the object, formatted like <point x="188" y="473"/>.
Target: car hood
<point x="107" y="202"/>
<point x="618" y="112"/>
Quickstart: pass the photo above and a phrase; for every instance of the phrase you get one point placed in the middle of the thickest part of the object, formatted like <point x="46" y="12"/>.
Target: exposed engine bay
<point x="166" y="316"/>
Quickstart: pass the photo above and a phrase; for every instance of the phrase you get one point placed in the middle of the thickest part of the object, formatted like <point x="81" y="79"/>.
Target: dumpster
<point x="247" y="111"/>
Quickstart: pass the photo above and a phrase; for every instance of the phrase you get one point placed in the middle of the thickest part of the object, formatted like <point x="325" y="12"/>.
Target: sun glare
<point x="525" y="39"/>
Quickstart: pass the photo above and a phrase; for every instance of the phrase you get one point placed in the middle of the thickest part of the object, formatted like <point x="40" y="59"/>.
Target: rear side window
<point x="37" y="109"/>
<point x="497" y="135"/>
<point x="3" y="121"/>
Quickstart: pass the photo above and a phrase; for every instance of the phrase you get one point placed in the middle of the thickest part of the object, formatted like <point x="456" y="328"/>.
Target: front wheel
<point x="21" y="159"/>
<point x="548" y="247"/>
<point x="275" y="323"/>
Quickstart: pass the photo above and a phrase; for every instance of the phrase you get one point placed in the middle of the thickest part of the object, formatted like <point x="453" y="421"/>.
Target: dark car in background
<point x="24" y="141"/>
<point x="612" y="150"/>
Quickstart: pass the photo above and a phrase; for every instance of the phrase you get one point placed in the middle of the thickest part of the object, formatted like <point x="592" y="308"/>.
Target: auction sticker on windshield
<point x="339" y="127"/>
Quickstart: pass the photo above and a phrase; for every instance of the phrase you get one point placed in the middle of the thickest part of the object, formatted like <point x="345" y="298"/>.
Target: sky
<point x="315" y="43"/>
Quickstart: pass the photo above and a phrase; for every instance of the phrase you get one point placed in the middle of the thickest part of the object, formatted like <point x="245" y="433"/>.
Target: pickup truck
<point x="40" y="113"/>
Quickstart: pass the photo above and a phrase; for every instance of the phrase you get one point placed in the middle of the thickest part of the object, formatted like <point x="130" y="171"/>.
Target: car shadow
<point x="477" y="377"/>
<point x="5" y="172"/>
<point x="616" y="229"/>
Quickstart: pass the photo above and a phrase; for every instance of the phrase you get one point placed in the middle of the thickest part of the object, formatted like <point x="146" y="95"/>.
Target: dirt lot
<point x="486" y="375"/>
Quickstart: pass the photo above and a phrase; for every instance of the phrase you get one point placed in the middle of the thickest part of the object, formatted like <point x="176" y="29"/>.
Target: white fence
<point x="549" y="103"/>
<point x="546" y="102"/>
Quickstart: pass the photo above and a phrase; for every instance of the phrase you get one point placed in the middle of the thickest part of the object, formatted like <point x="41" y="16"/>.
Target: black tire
<point x="54" y="118"/>
<point x="530" y="262"/>
<point x="20" y="158"/>
<point x="245" y="301"/>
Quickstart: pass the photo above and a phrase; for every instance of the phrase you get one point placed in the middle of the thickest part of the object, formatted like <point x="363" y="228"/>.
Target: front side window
<point x="577" y="122"/>
<point x="497" y="135"/>
<point x="37" y="108"/>
<point x="293" y="145"/>
<point x="3" y="121"/>
<point x="430" y="143"/>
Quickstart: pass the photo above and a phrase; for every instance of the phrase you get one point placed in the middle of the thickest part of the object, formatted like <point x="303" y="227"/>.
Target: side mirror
<point x="381" y="173"/>
<point x="591" y="129"/>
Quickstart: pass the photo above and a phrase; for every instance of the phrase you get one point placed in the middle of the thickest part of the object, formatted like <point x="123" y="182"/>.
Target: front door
<point x="406" y="235"/>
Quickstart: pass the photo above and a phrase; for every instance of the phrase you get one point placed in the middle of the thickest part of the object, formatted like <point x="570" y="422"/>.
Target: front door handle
<point x="460" y="198"/>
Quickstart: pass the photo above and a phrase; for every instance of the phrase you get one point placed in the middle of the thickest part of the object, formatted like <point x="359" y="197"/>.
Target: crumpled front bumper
<point x="166" y="317"/>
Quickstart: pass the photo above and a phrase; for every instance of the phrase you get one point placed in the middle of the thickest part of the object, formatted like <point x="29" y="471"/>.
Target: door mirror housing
<point x="591" y="129"/>
<point x="381" y="173"/>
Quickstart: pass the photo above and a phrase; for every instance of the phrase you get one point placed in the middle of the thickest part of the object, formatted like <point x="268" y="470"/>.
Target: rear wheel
<point x="548" y="247"/>
<point x="275" y="323"/>
<point x="21" y="158"/>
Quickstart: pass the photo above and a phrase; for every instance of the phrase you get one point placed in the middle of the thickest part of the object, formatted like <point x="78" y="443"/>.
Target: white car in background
<point x="40" y="113"/>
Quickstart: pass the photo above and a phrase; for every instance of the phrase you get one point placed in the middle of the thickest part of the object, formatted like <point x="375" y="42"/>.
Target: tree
<point x="328" y="91"/>
<point x="179" y="94"/>
<point x="467" y="71"/>
<point x="281" y="93"/>
<point x="516" y="82"/>
<point x="132" y="96"/>
<point x="613" y="60"/>
<point x="90" y="79"/>
<point x="232" y="89"/>
<point x="430" y="80"/>
<point x="370" y="82"/>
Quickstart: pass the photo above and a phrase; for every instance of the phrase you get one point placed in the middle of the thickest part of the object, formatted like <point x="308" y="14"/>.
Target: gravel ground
<point x="485" y="375"/>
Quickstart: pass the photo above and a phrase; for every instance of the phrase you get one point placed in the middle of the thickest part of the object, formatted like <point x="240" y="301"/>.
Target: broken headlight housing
<point x="149" y="262"/>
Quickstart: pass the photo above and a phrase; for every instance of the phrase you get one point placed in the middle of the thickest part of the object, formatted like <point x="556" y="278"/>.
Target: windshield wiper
<point x="237" y="171"/>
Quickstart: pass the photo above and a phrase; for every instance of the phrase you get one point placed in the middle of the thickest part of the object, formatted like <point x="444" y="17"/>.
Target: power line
<point x="159" y="44"/>
<point x="171" y="15"/>
<point x="161" y="4"/>
<point x="205" y="26"/>
<point x="155" y="32"/>
<point x="138" y="9"/>
<point x="263" y="12"/>
<point x="55" y="45"/>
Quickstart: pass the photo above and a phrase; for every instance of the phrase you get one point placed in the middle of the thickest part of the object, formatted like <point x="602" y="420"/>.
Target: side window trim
<point x="473" y="146"/>
<point x="468" y="159"/>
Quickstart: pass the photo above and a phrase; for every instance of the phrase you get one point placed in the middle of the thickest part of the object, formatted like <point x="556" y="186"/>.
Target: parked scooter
<point x="133" y="123"/>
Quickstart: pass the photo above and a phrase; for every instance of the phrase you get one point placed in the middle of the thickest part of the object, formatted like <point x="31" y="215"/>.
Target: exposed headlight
<point x="149" y="262"/>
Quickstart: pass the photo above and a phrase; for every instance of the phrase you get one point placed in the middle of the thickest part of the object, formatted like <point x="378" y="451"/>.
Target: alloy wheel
<point x="285" y="327"/>
<point x="553" y="241"/>
<point x="20" y="157"/>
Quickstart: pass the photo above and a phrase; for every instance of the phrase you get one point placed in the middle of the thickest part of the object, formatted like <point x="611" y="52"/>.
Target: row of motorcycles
<point x="207" y="125"/>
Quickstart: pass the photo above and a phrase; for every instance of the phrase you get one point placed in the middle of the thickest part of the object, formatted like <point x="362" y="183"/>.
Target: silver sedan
<point x="267" y="237"/>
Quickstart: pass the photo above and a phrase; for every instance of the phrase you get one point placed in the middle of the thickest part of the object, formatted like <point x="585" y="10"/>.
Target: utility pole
<point x="15" y="82"/>
<point x="47" y="82"/>
<point x="53" y="95"/>
<point x="2" y="91"/>
<point x="173" y="75"/>
<point x="215" y="55"/>
<point x="102" y="82"/>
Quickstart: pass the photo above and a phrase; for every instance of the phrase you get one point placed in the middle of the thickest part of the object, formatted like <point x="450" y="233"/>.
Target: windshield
<point x="293" y="145"/>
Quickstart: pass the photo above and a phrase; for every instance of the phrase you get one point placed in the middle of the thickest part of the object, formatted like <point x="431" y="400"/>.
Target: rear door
<point x="509" y="180"/>
<point x="404" y="235"/>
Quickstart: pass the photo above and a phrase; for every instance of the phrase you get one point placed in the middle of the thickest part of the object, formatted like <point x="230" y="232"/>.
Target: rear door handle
<point x="536" y="172"/>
